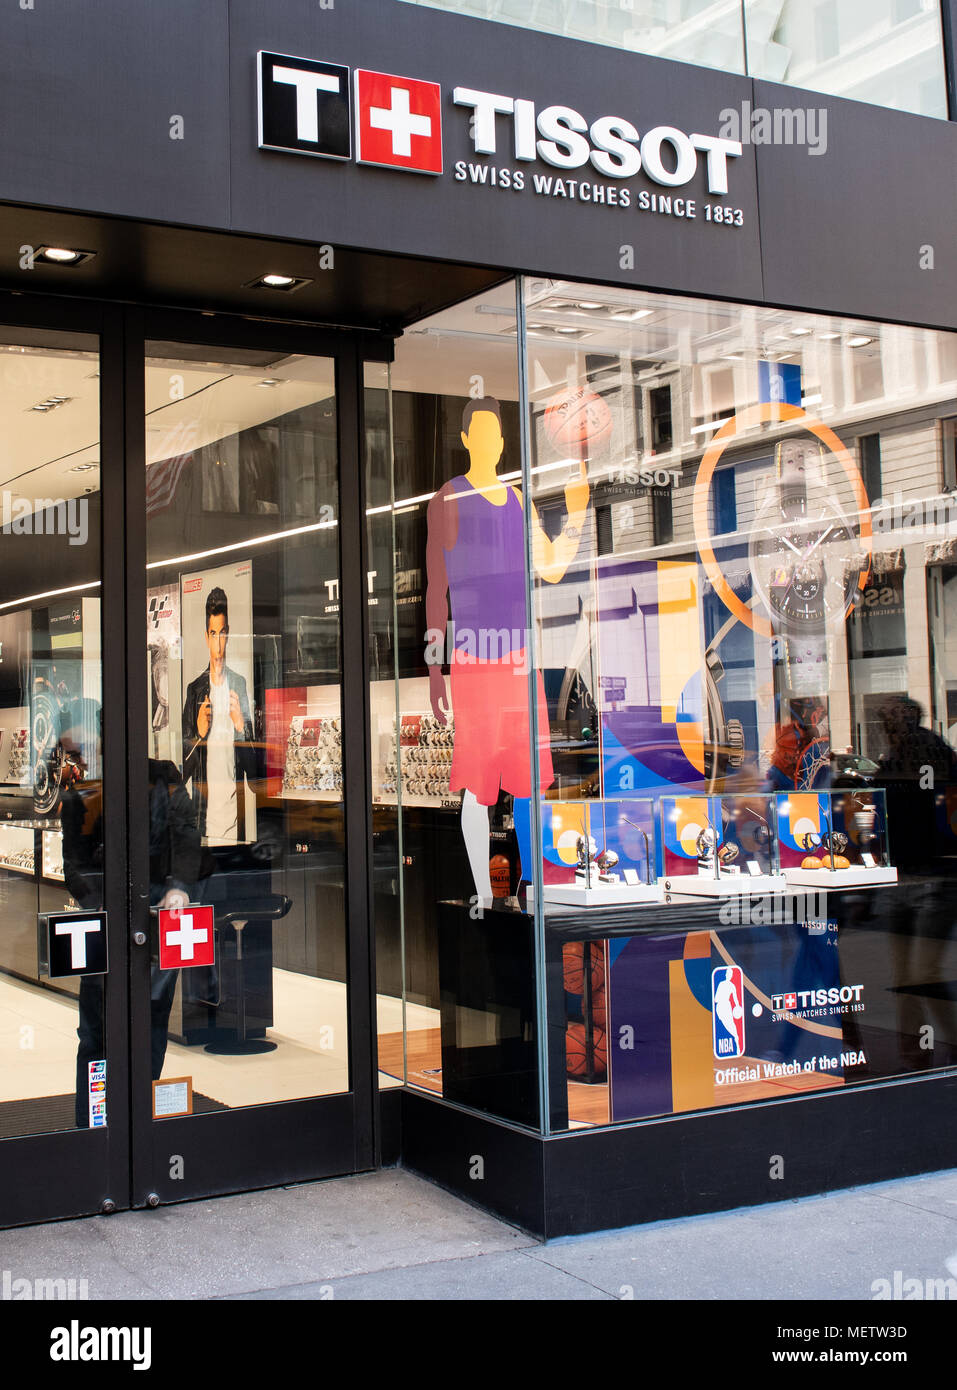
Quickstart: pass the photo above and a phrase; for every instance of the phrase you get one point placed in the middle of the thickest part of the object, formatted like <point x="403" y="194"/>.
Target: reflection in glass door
<point x="248" y="976"/>
<point x="52" y="1011"/>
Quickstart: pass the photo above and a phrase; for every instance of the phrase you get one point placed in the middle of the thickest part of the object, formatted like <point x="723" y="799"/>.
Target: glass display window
<point x="631" y="660"/>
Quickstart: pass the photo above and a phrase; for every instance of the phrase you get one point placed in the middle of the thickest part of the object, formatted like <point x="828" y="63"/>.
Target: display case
<point x="717" y="846"/>
<point x="834" y="839"/>
<point x="599" y="853"/>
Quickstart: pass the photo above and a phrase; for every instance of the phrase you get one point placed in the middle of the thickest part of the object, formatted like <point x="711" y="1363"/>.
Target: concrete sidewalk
<point x="391" y="1235"/>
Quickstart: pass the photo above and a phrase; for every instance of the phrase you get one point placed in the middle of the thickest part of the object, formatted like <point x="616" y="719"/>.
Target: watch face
<point x="799" y="555"/>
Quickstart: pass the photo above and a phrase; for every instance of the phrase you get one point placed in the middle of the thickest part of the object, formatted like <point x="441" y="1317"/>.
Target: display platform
<point x="856" y="877"/>
<point x="602" y="895"/>
<point x="733" y="885"/>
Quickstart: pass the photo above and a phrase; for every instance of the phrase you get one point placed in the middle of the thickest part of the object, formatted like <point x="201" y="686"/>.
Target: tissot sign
<point x="395" y="122"/>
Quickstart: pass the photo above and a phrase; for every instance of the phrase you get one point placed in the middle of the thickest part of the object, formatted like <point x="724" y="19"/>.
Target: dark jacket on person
<point x="195" y="748"/>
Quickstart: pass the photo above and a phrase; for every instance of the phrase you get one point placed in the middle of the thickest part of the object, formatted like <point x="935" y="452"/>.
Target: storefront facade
<point x="480" y="557"/>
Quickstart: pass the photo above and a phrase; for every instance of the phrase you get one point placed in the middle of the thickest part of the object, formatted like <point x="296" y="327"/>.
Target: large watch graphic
<point x="807" y="558"/>
<point x="806" y="562"/>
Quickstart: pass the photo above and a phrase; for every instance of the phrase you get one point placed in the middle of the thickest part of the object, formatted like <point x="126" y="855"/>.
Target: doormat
<point x="49" y="1114"/>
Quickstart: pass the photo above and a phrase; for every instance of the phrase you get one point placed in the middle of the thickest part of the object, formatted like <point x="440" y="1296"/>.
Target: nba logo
<point x="727" y="1011"/>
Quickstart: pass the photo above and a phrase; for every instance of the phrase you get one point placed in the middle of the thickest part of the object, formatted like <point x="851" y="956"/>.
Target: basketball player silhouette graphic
<point x="475" y="559"/>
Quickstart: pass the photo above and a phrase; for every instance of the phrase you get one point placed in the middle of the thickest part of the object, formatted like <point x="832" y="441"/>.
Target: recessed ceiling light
<point x="860" y="341"/>
<point x="828" y="337"/>
<point x="800" y="332"/>
<point x="62" y="255"/>
<point x="274" y="281"/>
<point x="630" y="315"/>
<point x="270" y="381"/>
<point x="588" y="304"/>
<point x="84" y="468"/>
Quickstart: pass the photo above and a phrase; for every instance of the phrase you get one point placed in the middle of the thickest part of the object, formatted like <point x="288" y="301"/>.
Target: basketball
<point x="501" y="875"/>
<point x="573" y="967"/>
<point x="737" y="1011"/>
<point x="575" y="1056"/>
<point x="811" y="862"/>
<point x="840" y="862"/>
<point x="575" y="1049"/>
<point x="578" y="419"/>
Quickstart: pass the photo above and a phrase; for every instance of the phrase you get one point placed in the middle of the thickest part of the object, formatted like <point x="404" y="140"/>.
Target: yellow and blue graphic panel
<point x="711" y="1018"/>
<point x="653" y="705"/>
<point x="685" y="820"/>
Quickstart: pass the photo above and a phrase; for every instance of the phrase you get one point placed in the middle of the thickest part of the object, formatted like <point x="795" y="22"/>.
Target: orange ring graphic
<point x="756" y="415"/>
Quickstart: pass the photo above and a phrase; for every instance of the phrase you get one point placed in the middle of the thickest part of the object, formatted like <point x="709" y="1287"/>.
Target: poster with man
<point x="219" y="756"/>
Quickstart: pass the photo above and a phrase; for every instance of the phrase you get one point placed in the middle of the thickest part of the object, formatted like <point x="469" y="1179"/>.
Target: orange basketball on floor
<point x="576" y="1057"/>
<point x="579" y="420"/>
<point x="575" y="1049"/>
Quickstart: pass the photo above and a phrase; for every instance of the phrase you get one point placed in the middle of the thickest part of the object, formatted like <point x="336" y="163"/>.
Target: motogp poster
<point x="720" y="1018"/>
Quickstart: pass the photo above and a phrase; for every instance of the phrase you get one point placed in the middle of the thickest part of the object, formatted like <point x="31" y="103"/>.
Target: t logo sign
<point x="304" y="106"/>
<point x="398" y="122"/>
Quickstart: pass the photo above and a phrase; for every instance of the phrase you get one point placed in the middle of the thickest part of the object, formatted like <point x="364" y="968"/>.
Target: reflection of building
<point x="889" y="393"/>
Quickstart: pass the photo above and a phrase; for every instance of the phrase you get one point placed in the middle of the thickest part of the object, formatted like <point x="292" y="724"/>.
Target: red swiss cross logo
<point x="398" y="122"/>
<point x="186" y="937"/>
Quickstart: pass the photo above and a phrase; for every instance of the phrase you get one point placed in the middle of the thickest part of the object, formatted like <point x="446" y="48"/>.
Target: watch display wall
<point x="17" y="848"/>
<point x="716" y="846"/>
<point x="835" y="839"/>
<point x="313" y="757"/>
<point x="413" y="749"/>
<point x="599" y="853"/>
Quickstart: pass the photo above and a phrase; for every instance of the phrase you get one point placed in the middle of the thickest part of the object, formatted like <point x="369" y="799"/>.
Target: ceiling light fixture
<point x="859" y="341"/>
<point x="62" y="255"/>
<point x="274" y="281"/>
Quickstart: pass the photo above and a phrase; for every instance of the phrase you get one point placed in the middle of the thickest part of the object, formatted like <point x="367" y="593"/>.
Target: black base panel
<point x="489" y="1163"/>
<point x="50" y="1176"/>
<point x="682" y="1166"/>
<point x="261" y="1146"/>
<point x="390" y="1127"/>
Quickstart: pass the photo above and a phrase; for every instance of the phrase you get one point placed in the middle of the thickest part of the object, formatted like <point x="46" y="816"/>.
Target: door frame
<point x="66" y="1173"/>
<point x="70" y="1173"/>
<point x="291" y="1141"/>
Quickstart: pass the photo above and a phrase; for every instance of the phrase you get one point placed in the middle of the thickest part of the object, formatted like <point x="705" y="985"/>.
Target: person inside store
<point x="219" y="754"/>
<point x="178" y="866"/>
<point x="916" y="767"/>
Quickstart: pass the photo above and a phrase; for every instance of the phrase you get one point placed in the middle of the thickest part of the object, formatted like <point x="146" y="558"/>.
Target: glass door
<point x="248" y="1060"/>
<point x="63" y="1114"/>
